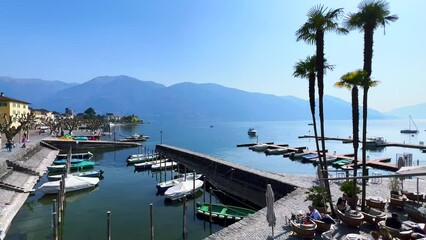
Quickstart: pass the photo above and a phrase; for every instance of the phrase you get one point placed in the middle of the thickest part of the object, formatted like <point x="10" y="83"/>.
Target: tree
<point x="320" y="20"/>
<point x="307" y="69"/>
<point x="90" y="113"/>
<point x="54" y="126"/>
<point x="371" y="15"/>
<point x="352" y="80"/>
<point x="6" y="122"/>
<point x="70" y="124"/>
<point x="94" y="124"/>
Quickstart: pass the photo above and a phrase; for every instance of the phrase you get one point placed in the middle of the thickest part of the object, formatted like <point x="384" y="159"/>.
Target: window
<point x="14" y="104"/>
<point x="3" y="104"/>
<point x="19" y="105"/>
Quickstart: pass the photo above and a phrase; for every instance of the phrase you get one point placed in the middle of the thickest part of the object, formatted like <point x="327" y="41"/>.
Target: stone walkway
<point x="32" y="157"/>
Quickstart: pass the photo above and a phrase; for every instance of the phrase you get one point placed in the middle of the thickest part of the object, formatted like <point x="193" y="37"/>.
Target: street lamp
<point x="161" y="137"/>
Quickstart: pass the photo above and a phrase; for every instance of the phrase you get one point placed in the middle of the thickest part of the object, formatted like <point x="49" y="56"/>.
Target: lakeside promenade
<point x="36" y="158"/>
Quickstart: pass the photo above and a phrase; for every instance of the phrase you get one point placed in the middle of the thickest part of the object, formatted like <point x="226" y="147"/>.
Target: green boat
<point x="73" y="167"/>
<point x="342" y="162"/>
<point x="82" y="165"/>
<point x="221" y="211"/>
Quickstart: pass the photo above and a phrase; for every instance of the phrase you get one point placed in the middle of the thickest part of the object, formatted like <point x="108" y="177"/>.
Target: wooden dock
<point x="422" y="147"/>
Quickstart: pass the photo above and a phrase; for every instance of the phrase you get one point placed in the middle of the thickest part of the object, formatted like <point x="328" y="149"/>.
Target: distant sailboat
<point x="409" y="130"/>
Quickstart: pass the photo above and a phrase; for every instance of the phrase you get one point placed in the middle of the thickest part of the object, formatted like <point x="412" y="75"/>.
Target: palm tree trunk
<point x="312" y="105"/>
<point x="368" y="58"/>
<point x="355" y="131"/>
<point x="320" y="75"/>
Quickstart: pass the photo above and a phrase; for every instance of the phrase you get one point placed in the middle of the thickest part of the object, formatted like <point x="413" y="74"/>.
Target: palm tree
<point x="320" y="20"/>
<point x="352" y="80"/>
<point x="372" y="14"/>
<point x="307" y="69"/>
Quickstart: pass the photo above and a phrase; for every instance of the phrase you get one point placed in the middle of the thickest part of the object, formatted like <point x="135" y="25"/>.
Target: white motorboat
<point x="163" y="165"/>
<point x="251" y="132"/>
<point x="162" y="186"/>
<point x="143" y="158"/>
<point x="259" y="147"/>
<point x="72" y="183"/>
<point x="183" y="189"/>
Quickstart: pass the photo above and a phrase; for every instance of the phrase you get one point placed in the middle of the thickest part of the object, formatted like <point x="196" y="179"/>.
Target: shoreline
<point x="254" y="227"/>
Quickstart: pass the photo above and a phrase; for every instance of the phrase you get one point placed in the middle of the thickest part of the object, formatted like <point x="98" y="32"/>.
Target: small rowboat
<point x="64" y="161"/>
<point x="221" y="211"/>
<point x="87" y="155"/>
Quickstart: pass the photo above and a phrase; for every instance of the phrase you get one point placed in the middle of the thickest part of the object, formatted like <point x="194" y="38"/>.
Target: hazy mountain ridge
<point x="182" y="101"/>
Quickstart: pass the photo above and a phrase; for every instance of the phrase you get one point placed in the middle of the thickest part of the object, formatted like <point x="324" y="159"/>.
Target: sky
<point x="244" y="44"/>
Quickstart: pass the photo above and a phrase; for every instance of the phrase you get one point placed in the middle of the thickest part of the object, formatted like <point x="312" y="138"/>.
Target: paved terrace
<point x="256" y="226"/>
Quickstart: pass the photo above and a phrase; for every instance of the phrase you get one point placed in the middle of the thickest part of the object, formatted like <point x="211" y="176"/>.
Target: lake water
<point x="127" y="194"/>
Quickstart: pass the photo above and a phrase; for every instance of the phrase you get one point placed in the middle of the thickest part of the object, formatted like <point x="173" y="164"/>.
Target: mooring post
<point x="151" y="214"/>
<point x="55" y="220"/>
<point x="184" y="219"/>
<point x="204" y="186"/>
<point x="193" y="184"/>
<point x="171" y="173"/>
<point x="58" y="207"/>
<point x="109" y="225"/>
<point x="210" y="207"/>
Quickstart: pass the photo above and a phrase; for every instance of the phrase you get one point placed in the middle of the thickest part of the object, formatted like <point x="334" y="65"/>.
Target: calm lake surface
<point x="127" y="194"/>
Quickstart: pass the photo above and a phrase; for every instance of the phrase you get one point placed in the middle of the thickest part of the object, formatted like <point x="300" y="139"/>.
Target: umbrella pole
<point x="272" y="231"/>
<point x="418" y="190"/>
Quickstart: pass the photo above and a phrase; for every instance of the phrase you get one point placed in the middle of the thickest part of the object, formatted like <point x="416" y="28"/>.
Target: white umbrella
<point x="270" y="214"/>
<point x="414" y="170"/>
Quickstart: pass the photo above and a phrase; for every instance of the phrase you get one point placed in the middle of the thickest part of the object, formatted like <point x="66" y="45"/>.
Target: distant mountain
<point x="124" y="95"/>
<point x="416" y="111"/>
<point x="30" y="89"/>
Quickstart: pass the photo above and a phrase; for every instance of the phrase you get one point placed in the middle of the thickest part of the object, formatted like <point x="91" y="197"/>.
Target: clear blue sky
<point x="249" y="45"/>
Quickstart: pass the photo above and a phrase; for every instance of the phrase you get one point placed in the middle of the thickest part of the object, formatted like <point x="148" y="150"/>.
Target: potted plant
<point x="394" y="186"/>
<point x="351" y="196"/>
<point x="318" y="196"/>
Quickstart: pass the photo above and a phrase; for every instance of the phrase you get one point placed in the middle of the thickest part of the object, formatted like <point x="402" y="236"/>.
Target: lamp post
<point x="161" y="137"/>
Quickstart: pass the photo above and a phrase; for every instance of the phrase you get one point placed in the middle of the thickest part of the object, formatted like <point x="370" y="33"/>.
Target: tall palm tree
<point x="352" y="80"/>
<point x="307" y="69"/>
<point x="320" y="20"/>
<point x="371" y="15"/>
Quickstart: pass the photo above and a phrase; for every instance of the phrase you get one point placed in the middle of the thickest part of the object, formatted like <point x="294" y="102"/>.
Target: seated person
<point x="393" y="221"/>
<point x="314" y="214"/>
<point x="341" y="204"/>
<point x="419" y="231"/>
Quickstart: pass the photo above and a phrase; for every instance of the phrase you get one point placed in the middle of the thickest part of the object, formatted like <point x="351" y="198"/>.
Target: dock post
<point x="184" y="219"/>
<point x="109" y="225"/>
<point x="193" y="184"/>
<point x="171" y="173"/>
<point x="204" y="186"/>
<point x="151" y="214"/>
<point x="210" y="207"/>
<point x="55" y="220"/>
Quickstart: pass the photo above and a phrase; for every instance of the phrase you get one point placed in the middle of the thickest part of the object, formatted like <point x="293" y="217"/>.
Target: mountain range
<point x="123" y="95"/>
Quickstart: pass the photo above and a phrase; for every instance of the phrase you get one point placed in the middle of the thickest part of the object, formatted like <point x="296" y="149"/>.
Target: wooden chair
<point x="376" y="204"/>
<point x="413" y="197"/>
<point x="397" y="202"/>
<point x="304" y="230"/>
<point x="373" y="216"/>
<point x="351" y="220"/>
<point x="404" y="235"/>
<point x="322" y="226"/>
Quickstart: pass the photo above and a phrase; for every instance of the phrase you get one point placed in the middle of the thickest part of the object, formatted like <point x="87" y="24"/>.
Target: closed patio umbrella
<point x="414" y="170"/>
<point x="270" y="214"/>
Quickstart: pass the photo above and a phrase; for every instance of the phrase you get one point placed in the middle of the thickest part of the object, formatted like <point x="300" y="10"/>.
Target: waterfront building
<point x="13" y="107"/>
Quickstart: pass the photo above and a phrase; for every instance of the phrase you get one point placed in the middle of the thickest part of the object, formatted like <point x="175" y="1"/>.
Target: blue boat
<point x="94" y="173"/>
<point x="307" y="157"/>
